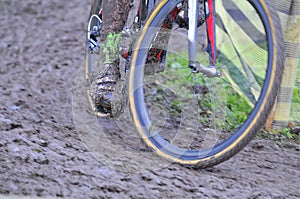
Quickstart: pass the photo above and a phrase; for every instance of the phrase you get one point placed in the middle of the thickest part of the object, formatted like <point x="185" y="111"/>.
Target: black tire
<point x="208" y="129"/>
<point x="91" y="58"/>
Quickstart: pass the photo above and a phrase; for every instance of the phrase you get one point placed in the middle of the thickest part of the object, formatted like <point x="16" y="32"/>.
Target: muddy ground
<point x="44" y="153"/>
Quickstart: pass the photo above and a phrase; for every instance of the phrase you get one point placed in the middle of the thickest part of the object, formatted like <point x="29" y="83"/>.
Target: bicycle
<point x="206" y="104"/>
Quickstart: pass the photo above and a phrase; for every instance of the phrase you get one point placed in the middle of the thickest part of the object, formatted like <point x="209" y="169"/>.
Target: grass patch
<point x="232" y="108"/>
<point x="221" y="103"/>
<point x="284" y="137"/>
<point x="295" y="108"/>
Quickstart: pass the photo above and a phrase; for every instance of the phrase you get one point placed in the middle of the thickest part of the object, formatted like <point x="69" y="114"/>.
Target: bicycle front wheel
<point x="189" y="118"/>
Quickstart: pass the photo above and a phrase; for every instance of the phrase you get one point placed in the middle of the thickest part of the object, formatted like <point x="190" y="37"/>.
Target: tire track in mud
<point x="41" y="154"/>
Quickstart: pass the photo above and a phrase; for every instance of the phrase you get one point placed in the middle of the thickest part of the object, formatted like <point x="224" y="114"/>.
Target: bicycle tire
<point x="246" y="129"/>
<point x="96" y="6"/>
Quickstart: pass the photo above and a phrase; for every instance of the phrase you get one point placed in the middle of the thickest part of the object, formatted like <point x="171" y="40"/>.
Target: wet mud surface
<point x="43" y="152"/>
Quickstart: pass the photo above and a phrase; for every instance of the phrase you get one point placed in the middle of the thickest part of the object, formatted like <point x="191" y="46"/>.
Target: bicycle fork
<point x="193" y="14"/>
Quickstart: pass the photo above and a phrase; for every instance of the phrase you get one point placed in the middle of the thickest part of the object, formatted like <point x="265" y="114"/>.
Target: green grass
<point x="235" y="107"/>
<point x="295" y="108"/>
<point x="232" y="108"/>
<point x="282" y="137"/>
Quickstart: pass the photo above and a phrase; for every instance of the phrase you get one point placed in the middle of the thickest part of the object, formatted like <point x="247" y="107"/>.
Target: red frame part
<point x="211" y="29"/>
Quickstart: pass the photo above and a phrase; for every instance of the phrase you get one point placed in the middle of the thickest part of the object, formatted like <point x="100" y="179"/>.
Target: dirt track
<point x="41" y="154"/>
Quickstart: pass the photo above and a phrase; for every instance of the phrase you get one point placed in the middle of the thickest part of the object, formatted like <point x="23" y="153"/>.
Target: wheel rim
<point x="151" y="130"/>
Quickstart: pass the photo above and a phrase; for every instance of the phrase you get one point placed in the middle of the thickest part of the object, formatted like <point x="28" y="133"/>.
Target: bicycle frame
<point x="211" y="29"/>
<point x="193" y="15"/>
<point x="146" y="6"/>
